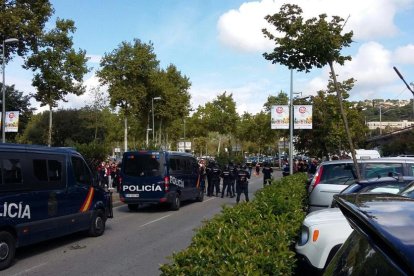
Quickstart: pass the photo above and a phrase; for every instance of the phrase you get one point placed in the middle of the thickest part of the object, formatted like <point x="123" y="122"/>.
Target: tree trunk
<point x="49" y="138"/>
<point x="345" y="120"/>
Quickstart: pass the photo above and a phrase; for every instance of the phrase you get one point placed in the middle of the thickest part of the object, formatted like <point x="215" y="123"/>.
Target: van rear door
<point x="143" y="176"/>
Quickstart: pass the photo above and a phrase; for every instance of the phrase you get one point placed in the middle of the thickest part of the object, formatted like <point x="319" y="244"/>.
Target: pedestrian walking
<point x="257" y="169"/>
<point x="267" y="174"/>
<point x="242" y="183"/>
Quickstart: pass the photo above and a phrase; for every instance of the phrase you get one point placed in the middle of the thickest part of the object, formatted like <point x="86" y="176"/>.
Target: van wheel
<point x="97" y="227"/>
<point x="133" y="207"/>
<point x="176" y="203"/>
<point x="200" y="196"/>
<point x="7" y="249"/>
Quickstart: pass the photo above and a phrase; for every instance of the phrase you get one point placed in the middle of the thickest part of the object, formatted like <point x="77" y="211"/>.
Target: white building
<point x="392" y="125"/>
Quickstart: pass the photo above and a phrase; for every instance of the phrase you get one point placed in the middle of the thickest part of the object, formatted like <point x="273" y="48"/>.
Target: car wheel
<point x="97" y="227"/>
<point x="7" y="249"/>
<point x="133" y="207"/>
<point x="176" y="203"/>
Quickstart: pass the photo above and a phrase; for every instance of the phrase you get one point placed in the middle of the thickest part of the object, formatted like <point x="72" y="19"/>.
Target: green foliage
<point x="328" y="134"/>
<point x="128" y="73"/>
<point x="93" y="153"/>
<point x="220" y="115"/>
<point x="58" y="68"/>
<point x="134" y="78"/>
<point x="400" y="145"/>
<point x="24" y="20"/>
<point x="253" y="238"/>
<point x="281" y="99"/>
<point x="72" y="126"/>
<point x="306" y="44"/>
<point x="16" y="101"/>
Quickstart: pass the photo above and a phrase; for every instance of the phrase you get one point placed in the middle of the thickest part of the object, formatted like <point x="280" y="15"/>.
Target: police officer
<point x="209" y="173"/>
<point x="233" y="171"/>
<point x="215" y="179"/>
<point x="267" y="173"/>
<point x="242" y="183"/>
<point x="226" y="175"/>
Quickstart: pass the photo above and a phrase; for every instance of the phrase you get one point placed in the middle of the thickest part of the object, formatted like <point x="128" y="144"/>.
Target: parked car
<point x="333" y="176"/>
<point x="324" y="231"/>
<point x="383" y="240"/>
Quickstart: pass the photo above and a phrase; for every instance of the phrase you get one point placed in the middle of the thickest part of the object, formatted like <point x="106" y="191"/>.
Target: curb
<point x="115" y="199"/>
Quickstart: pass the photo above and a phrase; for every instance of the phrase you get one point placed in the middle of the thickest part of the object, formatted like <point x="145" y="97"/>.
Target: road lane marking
<point x="26" y="271"/>
<point x="155" y="220"/>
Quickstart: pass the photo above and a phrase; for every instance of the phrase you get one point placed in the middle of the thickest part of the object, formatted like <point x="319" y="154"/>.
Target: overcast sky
<point x="219" y="45"/>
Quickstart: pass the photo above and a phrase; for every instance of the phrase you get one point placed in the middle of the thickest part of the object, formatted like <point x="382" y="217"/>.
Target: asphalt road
<point x="134" y="243"/>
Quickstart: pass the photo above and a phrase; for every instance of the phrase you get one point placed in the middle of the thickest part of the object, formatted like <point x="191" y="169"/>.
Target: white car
<point x="323" y="232"/>
<point x="334" y="176"/>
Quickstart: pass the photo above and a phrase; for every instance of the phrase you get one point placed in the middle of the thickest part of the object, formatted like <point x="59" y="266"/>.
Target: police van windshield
<point x="142" y="165"/>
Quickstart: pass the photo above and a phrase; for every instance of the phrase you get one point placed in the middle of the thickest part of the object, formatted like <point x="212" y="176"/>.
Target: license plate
<point x="132" y="195"/>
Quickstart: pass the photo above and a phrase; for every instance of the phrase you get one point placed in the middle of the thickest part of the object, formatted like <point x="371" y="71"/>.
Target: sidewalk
<point x="115" y="199"/>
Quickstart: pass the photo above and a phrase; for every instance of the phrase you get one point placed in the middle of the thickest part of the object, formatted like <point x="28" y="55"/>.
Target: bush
<point x="253" y="238"/>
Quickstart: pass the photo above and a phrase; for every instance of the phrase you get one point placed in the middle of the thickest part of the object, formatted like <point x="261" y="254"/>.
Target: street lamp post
<point x="3" y="88"/>
<point x="291" y="124"/>
<point x="152" y="109"/>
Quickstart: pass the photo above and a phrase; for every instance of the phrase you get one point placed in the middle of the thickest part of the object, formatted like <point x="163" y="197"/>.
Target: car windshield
<point x="408" y="191"/>
<point x="342" y="174"/>
<point x="378" y="170"/>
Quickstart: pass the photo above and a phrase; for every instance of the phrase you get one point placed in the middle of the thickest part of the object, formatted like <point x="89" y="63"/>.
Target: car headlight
<point x="304" y="235"/>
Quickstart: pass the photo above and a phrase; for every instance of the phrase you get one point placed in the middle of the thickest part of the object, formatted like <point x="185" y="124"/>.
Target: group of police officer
<point x="232" y="175"/>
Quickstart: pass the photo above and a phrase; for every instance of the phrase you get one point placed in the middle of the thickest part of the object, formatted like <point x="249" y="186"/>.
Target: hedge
<point x="255" y="238"/>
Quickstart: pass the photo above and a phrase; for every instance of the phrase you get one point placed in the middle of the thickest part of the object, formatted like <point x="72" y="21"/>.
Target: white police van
<point x="159" y="177"/>
<point x="46" y="193"/>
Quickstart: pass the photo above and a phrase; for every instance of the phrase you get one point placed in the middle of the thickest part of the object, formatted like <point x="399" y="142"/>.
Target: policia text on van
<point x="158" y="177"/>
<point x="46" y="193"/>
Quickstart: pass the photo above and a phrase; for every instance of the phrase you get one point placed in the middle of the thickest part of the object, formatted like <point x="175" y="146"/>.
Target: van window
<point x="377" y="170"/>
<point x="49" y="172"/>
<point x="10" y="174"/>
<point x="81" y="171"/>
<point x="142" y="165"/>
<point x="339" y="174"/>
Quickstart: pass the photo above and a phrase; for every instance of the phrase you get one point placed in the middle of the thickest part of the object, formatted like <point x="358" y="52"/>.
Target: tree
<point x="173" y="88"/>
<point x="281" y="99"/>
<point x="308" y="44"/>
<point x="220" y="115"/>
<point x="99" y="102"/>
<point x="129" y="71"/>
<point x="58" y="68"/>
<point x="24" y="20"/>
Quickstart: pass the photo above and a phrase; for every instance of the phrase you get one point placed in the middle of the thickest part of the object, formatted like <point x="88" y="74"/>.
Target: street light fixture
<point x="152" y="109"/>
<point x="3" y="88"/>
